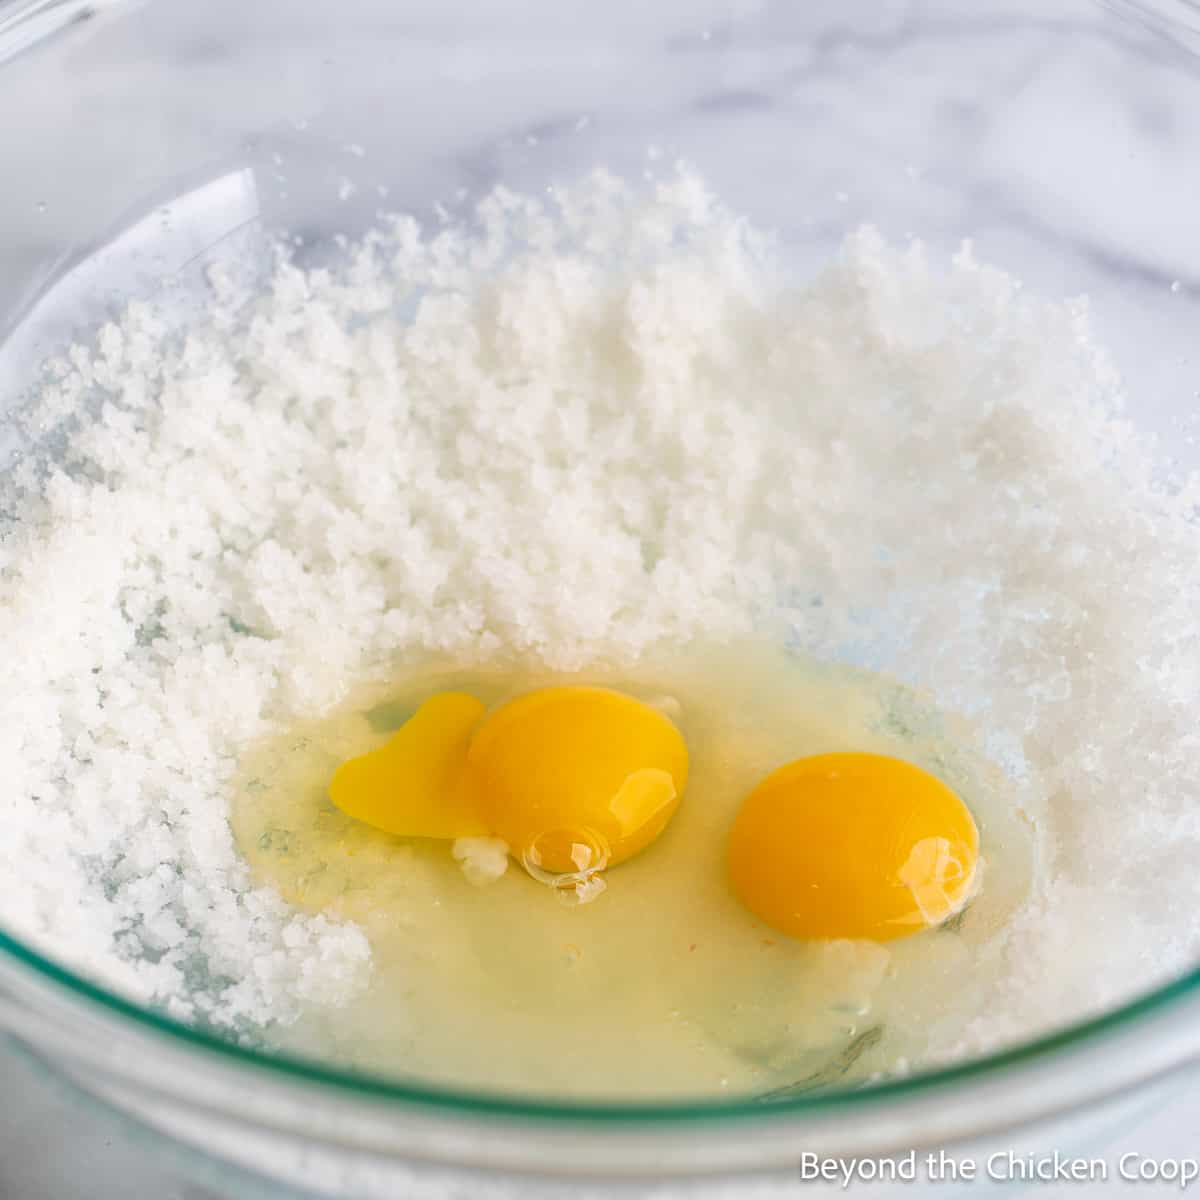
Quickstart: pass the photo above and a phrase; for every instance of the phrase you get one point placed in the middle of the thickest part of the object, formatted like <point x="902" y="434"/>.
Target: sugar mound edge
<point x="578" y="428"/>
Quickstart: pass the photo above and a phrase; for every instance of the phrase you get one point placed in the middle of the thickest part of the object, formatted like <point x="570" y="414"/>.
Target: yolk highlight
<point x="573" y="779"/>
<point x="853" y="846"/>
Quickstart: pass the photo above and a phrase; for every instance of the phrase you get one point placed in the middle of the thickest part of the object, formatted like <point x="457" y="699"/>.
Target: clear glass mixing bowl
<point x="137" y="137"/>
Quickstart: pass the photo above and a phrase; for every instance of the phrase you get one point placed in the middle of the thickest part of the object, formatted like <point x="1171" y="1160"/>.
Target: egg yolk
<point x="416" y="785"/>
<point x="571" y="772"/>
<point x="853" y="846"/>
<point x="573" y="779"/>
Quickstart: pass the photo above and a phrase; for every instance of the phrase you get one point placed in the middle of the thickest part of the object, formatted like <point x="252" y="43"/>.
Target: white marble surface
<point x="57" y="1144"/>
<point x="1064" y="139"/>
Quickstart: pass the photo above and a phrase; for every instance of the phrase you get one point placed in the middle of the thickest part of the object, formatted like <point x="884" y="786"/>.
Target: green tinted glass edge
<point x="563" y="1111"/>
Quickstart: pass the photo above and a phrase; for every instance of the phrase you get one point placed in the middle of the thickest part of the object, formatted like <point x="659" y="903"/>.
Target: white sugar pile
<point x="572" y="430"/>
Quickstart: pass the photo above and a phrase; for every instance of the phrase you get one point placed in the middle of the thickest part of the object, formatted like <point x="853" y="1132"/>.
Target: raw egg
<point x="572" y="779"/>
<point x="416" y="785"/>
<point x="853" y="846"/>
<point x="575" y="776"/>
<point x="668" y="985"/>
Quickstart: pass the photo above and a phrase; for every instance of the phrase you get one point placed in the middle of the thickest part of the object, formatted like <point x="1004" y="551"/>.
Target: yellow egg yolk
<point x="853" y="846"/>
<point x="573" y="779"/>
<point x="416" y="784"/>
<point x="570" y="769"/>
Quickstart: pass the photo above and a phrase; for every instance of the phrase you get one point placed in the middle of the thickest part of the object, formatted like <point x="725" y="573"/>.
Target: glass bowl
<point x="139" y="137"/>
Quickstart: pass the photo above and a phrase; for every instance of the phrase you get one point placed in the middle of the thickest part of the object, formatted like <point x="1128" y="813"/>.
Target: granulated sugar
<point x="579" y="429"/>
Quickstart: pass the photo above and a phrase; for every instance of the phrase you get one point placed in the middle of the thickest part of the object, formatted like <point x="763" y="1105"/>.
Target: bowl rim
<point x="282" y="1068"/>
